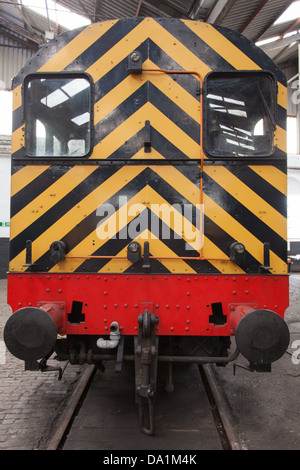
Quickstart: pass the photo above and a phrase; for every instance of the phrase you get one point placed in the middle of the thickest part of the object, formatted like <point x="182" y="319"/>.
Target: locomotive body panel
<point x="148" y="199"/>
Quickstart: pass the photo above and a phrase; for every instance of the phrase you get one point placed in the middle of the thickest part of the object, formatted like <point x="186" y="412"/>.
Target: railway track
<point x="102" y="415"/>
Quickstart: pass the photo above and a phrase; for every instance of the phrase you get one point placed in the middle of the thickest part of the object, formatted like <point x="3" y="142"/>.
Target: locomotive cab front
<point x="148" y="205"/>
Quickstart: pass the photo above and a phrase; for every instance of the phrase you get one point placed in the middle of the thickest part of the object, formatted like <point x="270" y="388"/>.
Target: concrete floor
<point x="266" y="407"/>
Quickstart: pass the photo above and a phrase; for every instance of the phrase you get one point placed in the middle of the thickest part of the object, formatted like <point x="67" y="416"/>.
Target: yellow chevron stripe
<point x="282" y="95"/>
<point x="48" y="198"/>
<point x="133" y="82"/>
<point x="75" y="215"/>
<point x="136" y="122"/>
<point x="154" y="155"/>
<point x="17" y="139"/>
<point x="17" y="97"/>
<point x="76" y="46"/>
<point x="25" y="176"/>
<point x="249" y="199"/>
<point x="92" y="242"/>
<point x="273" y="176"/>
<point x="218" y="215"/>
<point x="173" y="90"/>
<point x="280" y="139"/>
<point x="147" y="28"/>
<point x="220" y="44"/>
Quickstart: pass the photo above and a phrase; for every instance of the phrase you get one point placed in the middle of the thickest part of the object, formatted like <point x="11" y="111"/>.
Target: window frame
<point x="235" y="74"/>
<point x="60" y="75"/>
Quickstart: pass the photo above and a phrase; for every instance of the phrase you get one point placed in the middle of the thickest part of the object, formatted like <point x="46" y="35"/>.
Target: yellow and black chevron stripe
<point x="58" y="200"/>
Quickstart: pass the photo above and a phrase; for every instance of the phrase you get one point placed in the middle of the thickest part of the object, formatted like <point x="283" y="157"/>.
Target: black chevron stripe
<point x="196" y="45"/>
<point x="245" y="217"/>
<point x="49" y="218"/>
<point x="121" y="113"/>
<point x="251" y="51"/>
<point x="261" y="187"/>
<point x="102" y="45"/>
<point x="174" y="113"/>
<point x="36" y="187"/>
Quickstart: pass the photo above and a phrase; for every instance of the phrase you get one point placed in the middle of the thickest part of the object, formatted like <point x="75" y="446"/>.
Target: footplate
<point x="146" y="351"/>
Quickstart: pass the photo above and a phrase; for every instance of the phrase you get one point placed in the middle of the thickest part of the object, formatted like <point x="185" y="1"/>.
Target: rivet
<point x="105" y="292"/>
<point x="188" y="321"/>
<point x="188" y="293"/>
<point x="188" y="307"/>
<point x="187" y="328"/>
<point x="125" y="305"/>
<point x="167" y="306"/>
<point x="172" y="328"/>
<point x="246" y="292"/>
<point x="106" y="328"/>
<point x="234" y="292"/>
<point x="177" y="306"/>
<point x="47" y="290"/>
<point x="59" y="291"/>
<point x="116" y="305"/>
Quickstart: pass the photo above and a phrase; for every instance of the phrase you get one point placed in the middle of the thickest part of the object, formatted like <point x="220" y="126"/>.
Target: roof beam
<point x="164" y="8"/>
<point x="219" y="11"/>
<point x="270" y="46"/>
<point x="254" y="14"/>
<point x="21" y="31"/>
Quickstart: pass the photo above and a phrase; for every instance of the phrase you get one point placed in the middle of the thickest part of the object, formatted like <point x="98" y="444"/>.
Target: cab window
<point x="57" y="116"/>
<point x="239" y="114"/>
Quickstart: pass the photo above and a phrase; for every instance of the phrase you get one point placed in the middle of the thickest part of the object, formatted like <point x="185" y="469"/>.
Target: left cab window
<point x="57" y="116"/>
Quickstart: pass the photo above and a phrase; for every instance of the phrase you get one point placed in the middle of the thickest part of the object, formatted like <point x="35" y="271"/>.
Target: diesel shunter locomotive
<point x="148" y="201"/>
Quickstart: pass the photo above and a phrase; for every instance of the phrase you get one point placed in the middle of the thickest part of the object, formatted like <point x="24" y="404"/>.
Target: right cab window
<point x="239" y="114"/>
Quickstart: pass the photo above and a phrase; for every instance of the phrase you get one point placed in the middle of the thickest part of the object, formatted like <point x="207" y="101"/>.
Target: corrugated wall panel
<point x="12" y="59"/>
